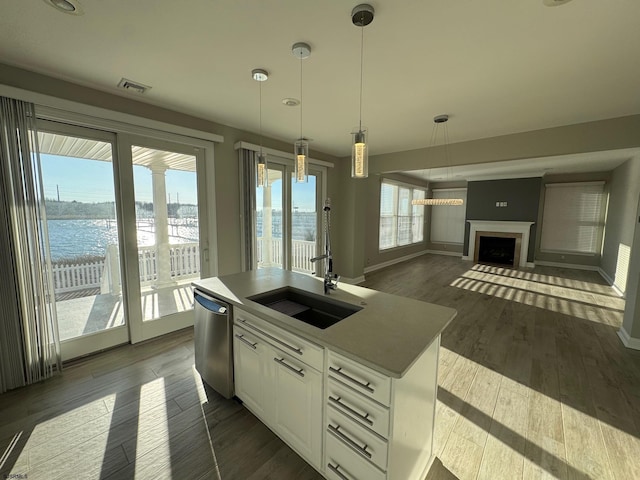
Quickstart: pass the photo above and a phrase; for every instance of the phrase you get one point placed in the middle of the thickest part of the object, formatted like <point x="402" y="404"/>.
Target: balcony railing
<point x="185" y="263"/>
<point x="105" y="273"/>
<point x="301" y="252"/>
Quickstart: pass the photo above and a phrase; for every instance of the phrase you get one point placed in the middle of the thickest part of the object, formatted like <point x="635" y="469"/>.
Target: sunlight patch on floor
<point x="586" y="305"/>
<point x="153" y="393"/>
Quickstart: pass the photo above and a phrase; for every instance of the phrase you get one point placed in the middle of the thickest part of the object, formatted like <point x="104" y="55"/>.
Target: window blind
<point x="447" y="221"/>
<point x="572" y="219"/>
<point x="400" y="222"/>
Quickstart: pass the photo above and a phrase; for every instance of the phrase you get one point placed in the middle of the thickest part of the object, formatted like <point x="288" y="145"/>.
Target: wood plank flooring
<point x="534" y="384"/>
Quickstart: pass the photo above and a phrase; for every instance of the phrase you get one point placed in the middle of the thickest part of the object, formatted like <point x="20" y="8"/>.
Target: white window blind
<point x="400" y="222"/>
<point x="572" y="219"/>
<point x="448" y="221"/>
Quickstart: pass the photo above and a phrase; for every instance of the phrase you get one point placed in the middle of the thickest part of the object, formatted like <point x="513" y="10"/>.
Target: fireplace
<point x="500" y="249"/>
<point x="520" y="231"/>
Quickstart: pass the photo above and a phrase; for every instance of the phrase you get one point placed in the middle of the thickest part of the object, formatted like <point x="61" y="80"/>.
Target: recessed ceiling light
<point x="72" y="7"/>
<point x="555" y="3"/>
<point x="291" y="102"/>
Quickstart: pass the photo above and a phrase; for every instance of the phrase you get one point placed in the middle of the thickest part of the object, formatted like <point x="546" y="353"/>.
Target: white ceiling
<point x="496" y="66"/>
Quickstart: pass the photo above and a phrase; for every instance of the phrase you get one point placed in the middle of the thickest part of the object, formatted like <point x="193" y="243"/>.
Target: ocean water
<point x="77" y="238"/>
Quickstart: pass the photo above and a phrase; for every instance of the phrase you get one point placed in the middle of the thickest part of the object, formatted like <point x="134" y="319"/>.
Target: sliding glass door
<point x="83" y="228"/>
<point x="163" y="233"/>
<point x="127" y="232"/>
<point x="287" y="220"/>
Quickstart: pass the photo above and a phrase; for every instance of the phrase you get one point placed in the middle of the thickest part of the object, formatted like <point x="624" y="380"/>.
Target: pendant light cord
<point x="301" y="103"/>
<point x="260" y="118"/>
<point x="361" y="63"/>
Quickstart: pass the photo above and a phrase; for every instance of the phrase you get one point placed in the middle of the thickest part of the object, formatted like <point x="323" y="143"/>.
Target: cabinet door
<point x="298" y="406"/>
<point x="252" y="375"/>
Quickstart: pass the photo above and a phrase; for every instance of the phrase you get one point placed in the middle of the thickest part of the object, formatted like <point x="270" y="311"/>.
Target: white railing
<point x="67" y="278"/>
<point x="184" y="259"/>
<point x="105" y="273"/>
<point x="301" y="252"/>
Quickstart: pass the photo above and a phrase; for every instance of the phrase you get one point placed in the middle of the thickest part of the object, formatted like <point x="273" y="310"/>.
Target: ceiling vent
<point x="132" y="86"/>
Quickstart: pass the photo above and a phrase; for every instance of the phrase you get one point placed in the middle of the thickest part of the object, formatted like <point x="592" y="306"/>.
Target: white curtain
<point x="29" y="344"/>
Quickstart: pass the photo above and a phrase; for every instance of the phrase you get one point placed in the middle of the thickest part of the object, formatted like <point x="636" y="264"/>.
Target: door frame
<point x="111" y="337"/>
<point x="143" y="330"/>
<point x="112" y="128"/>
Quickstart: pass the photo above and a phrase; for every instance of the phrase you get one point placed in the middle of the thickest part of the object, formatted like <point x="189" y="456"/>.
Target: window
<point x="447" y="221"/>
<point x="400" y="222"/>
<point x="572" y="219"/>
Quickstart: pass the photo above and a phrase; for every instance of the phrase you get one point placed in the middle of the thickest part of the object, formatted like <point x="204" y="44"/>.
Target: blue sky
<point x="91" y="181"/>
<point x="303" y="195"/>
<point x="85" y="180"/>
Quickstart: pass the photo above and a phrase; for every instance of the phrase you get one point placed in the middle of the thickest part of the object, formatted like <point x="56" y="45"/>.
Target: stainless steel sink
<point x="316" y="310"/>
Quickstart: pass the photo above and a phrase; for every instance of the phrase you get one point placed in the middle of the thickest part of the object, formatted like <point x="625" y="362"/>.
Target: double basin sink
<point x="316" y="310"/>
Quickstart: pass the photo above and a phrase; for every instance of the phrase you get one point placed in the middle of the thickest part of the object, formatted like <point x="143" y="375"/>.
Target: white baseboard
<point x="352" y="281"/>
<point x="373" y="268"/>
<point x="611" y="282"/>
<point x="592" y="268"/>
<point x="467" y="258"/>
<point x="628" y="340"/>
<point x="444" y="252"/>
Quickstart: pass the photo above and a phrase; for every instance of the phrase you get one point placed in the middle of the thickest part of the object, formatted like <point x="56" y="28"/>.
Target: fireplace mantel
<point x="523" y="228"/>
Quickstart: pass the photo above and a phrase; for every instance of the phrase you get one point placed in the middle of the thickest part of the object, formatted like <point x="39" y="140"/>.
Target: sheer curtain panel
<point x="29" y="345"/>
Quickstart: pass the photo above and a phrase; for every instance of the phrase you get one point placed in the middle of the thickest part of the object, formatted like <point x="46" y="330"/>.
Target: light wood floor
<point x="534" y="383"/>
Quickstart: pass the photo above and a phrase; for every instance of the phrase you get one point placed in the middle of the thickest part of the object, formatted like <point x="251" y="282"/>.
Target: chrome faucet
<point x="330" y="279"/>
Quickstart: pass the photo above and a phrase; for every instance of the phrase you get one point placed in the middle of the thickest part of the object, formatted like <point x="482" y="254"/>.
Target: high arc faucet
<point x="330" y="279"/>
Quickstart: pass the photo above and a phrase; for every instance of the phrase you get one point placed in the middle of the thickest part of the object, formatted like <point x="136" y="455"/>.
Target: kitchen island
<point x="357" y="399"/>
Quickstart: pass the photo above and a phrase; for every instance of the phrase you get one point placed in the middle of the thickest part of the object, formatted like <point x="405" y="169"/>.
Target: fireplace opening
<point x="497" y="250"/>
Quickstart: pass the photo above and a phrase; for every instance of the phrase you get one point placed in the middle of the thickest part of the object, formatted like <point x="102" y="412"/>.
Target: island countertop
<point x="388" y="335"/>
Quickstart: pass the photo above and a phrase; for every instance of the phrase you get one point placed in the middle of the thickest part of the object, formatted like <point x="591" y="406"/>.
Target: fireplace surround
<point x="497" y="228"/>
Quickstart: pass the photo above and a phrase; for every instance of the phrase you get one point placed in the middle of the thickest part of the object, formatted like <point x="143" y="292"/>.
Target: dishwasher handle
<point x="210" y="304"/>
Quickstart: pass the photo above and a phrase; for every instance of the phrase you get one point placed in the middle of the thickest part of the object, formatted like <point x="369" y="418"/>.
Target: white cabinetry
<point x="276" y="379"/>
<point x="298" y="406"/>
<point x="378" y="427"/>
<point x="251" y="357"/>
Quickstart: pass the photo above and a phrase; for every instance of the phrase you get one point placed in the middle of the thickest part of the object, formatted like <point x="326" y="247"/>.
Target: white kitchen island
<point x="357" y="399"/>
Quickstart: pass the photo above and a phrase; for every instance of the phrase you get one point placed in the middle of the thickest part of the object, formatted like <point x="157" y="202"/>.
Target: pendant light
<point x="262" y="173"/>
<point x="301" y="146"/>
<point x="437" y="121"/>
<point x="361" y="16"/>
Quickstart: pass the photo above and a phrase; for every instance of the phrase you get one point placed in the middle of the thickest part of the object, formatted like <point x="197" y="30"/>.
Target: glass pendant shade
<point x="262" y="173"/>
<point x="359" y="154"/>
<point x="301" y="159"/>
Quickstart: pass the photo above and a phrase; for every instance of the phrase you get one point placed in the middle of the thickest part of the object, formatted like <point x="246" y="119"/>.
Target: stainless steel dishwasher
<point x="213" y="342"/>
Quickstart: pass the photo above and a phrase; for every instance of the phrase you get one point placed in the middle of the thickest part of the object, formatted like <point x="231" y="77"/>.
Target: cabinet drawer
<point x="341" y="463"/>
<point x="309" y="353"/>
<point x="358" y="407"/>
<point x="360" y="378"/>
<point x="358" y="440"/>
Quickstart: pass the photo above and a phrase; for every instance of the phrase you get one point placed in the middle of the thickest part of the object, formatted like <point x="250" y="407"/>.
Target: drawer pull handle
<point x="338" y="371"/>
<point x="277" y="340"/>
<point x="338" y="401"/>
<point x="361" y="450"/>
<point x="336" y="469"/>
<point x="247" y="342"/>
<point x="297" y="371"/>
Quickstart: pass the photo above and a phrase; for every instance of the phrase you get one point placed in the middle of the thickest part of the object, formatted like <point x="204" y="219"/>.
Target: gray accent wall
<point x="523" y="199"/>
